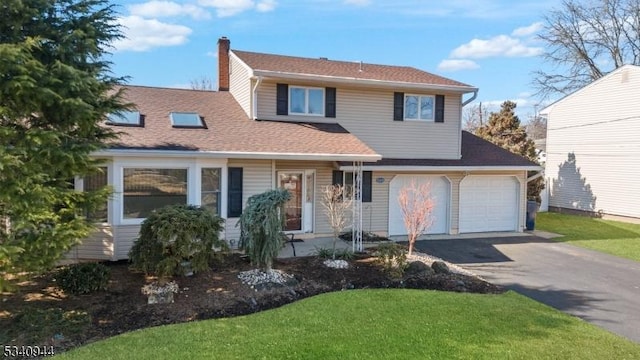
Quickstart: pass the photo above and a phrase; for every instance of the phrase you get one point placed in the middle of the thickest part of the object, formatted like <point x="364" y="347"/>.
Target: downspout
<point x="464" y="103"/>
<point x="254" y="107"/>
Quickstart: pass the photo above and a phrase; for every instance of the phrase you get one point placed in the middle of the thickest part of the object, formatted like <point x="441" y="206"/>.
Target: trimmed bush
<point x="393" y="258"/>
<point x="175" y="234"/>
<point x="83" y="278"/>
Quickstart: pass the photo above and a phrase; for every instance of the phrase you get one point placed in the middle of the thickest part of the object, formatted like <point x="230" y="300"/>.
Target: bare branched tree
<point x="585" y="41"/>
<point x="474" y="116"/>
<point x="536" y="127"/>
<point x="202" y="83"/>
<point x="416" y="206"/>
<point x="337" y="205"/>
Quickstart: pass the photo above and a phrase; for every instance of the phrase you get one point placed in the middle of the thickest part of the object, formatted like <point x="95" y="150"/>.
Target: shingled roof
<point x="343" y="69"/>
<point x="228" y="128"/>
<point x="476" y="152"/>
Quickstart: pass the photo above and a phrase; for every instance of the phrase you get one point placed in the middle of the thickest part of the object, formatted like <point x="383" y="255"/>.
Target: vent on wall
<point x="624" y="77"/>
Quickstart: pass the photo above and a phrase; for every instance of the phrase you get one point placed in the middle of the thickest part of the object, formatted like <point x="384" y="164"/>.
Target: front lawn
<point x="363" y="324"/>
<point x="611" y="237"/>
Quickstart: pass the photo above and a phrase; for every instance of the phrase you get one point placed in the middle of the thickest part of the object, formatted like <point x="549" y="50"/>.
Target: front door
<point x="298" y="211"/>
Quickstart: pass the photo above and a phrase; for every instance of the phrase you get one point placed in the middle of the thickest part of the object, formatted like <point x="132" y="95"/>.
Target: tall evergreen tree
<point x="55" y="89"/>
<point x="504" y="129"/>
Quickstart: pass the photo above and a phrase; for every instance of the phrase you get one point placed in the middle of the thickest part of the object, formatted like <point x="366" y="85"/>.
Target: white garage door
<point x="489" y="203"/>
<point x="440" y="195"/>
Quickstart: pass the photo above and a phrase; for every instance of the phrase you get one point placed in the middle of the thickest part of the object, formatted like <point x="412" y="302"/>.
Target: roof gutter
<point x="359" y="81"/>
<point x="235" y="155"/>
<point x="444" y="168"/>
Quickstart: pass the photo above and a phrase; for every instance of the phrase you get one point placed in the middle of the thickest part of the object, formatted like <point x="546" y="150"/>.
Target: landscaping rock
<point x="416" y="268"/>
<point x="440" y="268"/>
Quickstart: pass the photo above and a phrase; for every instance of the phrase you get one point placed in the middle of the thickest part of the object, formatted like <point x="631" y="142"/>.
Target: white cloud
<point x="527" y="30"/>
<point x="213" y="54"/>
<point x="501" y="45"/>
<point x="266" y="5"/>
<point x="158" y="9"/>
<point x="145" y="34"/>
<point x="457" y="64"/>
<point x="226" y="8"/>
<point x="358" y="2"/>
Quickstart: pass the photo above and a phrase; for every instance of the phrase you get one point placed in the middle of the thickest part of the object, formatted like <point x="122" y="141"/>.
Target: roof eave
<point x="446" y="168"/>
<point x="268" y="74"/>
<point x="235" y="155"/>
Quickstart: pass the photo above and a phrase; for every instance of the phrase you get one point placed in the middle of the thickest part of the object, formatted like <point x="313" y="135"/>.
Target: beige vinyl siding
<point x="593" y="153"/>
<point x="368" y="114"/>
<point x="97" y="246"/>
<point x="125" y="235"/>
<point x="240" y="83"/>
<point x="256" y="178"/>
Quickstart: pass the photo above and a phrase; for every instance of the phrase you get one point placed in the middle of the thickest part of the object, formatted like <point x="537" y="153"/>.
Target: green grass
<point x="611" y="237"/>
<point x="378" y="324"/>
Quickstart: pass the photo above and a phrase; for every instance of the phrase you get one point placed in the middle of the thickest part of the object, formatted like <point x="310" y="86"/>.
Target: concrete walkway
<point x="599" y="288"/>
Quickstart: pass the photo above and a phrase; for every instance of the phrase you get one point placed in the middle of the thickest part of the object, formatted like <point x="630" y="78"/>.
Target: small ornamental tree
<point x="174" y="234"/>
<point x="416" y="206"/>
<point x="261" y="224"/>
<point x="336" y="204"/>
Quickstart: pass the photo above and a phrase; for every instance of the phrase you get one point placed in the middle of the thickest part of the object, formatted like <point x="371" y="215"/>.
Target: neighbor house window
<point x="96" y="182"/>
<point x="210" y="189"/>
<point x="131" y="118"/>
<point x="186" y="119"/>
<point x="145" y="190"/>
<point x="417" y="107"/>
<point x="306" y="101"/>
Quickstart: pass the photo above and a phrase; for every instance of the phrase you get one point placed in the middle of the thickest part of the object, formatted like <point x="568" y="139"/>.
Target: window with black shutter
<point x="439" y="109"/>
<point x="234" y="193"/>
<point x="398" y="106"/>
<point x="282" y="95"/>
<point x="330" y="102"/>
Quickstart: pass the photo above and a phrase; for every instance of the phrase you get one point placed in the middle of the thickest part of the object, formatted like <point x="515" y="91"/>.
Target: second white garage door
<point x="440" y="195"/>
<point x="489" y="203"/>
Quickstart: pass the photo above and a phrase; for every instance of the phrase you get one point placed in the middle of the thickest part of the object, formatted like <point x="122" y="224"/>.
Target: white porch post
<point x="356" y="196"/>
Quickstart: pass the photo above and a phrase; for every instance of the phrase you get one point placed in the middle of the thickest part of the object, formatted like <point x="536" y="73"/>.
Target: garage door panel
<point x="439" y="193"/>
<point x="489" y="203"/>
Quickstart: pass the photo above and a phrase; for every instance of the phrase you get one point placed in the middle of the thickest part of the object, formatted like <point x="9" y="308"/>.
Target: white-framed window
<point x="93" y="182"/>
<point x="131" y="118"/>
<point x="419" y="107"/>
<point x="210" y="189"/>
<point x="147" y="189"/>
<point x="186" y="119"/>
<point x="306" y="101"/>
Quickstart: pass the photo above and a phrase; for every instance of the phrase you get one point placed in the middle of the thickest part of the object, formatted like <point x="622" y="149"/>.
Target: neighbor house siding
<point x="240" y="83"/>
<point x="593" y="157"/>
<point x="256" y="178"/>
<point x="97" y="246"/>
<point x="368" y="114"/>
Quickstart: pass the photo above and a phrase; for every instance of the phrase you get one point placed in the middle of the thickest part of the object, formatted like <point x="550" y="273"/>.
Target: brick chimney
<point x="223" y="63"/>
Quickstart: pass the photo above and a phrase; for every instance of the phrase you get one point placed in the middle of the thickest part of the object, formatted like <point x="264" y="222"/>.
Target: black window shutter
<point x="282" y="95"/>
<point x="234" y="196"/>
<point x="398" y="106"/>
<point x="366" y="186"/>
<point x="439" y="108"/>
<point x="337" y="177"/>
<point x="330" y="102"/>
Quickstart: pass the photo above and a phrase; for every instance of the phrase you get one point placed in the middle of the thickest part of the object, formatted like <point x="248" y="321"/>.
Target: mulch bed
<point x="214" y="294"/>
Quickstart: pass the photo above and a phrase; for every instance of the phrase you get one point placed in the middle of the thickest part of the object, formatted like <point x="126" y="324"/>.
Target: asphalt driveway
<point x="599" y="288"/>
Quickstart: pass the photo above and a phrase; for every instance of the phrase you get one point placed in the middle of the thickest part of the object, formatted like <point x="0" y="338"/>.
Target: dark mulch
<point x="213" y="294"/>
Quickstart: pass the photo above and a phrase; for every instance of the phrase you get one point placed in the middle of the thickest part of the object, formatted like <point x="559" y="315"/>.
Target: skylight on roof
<point x="125" y="118"/>
<point x="186" y="119"/>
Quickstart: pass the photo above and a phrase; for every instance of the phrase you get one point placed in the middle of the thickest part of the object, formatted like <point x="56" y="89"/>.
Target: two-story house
<point x="302" y="124"/>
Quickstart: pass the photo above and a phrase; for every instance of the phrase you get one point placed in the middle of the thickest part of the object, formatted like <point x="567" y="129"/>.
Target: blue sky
<point x="489" y="44"/>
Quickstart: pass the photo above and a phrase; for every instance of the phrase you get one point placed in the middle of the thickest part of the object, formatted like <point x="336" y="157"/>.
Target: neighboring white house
<point x="593" y="146"/>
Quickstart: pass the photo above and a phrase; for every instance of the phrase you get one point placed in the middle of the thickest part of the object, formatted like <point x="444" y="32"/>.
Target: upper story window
<point x="186" y="119"/>
<point x="306" y="101"/>
<point x="419" y="107"/>
<point x="127" y="118"/>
